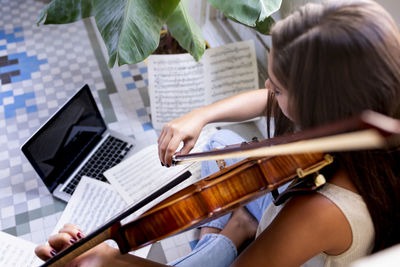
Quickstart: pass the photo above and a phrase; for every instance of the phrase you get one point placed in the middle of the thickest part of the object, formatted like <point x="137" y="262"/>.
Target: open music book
<point x="178" y="84"/>
<point x="142" y="173"/>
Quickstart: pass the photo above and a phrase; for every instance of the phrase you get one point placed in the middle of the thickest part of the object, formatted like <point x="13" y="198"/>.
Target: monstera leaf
<point x="188" y="34"/>
<point x="253" y="13"/>
<point x="65" y="11"/>
<point x="131" y="28"/>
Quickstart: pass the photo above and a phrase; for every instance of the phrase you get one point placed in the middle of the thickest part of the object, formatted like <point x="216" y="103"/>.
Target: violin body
<point x="214" y="196"/>
<point x="269" y="164"/>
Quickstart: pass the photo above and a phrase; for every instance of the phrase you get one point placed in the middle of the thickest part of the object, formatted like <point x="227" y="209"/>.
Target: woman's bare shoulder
<point x="306" y="226"/>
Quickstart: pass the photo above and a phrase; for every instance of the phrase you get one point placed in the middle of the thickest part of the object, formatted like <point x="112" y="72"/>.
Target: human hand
<point x="186" y="128"/>
<point x="69" y="234"/>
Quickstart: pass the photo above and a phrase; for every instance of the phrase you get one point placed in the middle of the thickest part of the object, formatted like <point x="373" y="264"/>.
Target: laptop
<point x="75" y="141"/>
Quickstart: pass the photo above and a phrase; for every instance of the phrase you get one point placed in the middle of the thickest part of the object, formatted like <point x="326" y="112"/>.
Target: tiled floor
<point x="40" y="68"/>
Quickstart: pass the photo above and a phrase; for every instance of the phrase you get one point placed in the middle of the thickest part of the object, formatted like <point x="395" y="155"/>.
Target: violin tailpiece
<point x="300" y="186"/>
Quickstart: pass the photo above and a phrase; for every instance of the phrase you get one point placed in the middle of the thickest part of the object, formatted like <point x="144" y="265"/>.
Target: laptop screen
<point x="61" y="144"/>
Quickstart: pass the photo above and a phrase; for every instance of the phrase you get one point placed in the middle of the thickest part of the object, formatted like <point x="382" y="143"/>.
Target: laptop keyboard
<point x="109" y="154"/>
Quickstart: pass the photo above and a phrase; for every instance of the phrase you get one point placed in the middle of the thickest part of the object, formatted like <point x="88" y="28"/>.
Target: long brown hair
<point x="337" y="59"/>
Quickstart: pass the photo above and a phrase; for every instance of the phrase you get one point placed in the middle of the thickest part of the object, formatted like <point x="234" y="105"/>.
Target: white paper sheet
<point x="93" y="204"/>
<point x="15" y="251"/>
<point x="142" y="174"/>
<point x="178" y="84"/>
<point x="231" y="69"/>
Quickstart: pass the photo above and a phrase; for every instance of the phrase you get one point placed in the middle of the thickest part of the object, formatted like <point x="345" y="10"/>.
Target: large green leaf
<point x="252" y="13"/>
<point x="268" y="7"/>
<point x="188" y="34"/>
<point x="65" y="11"/>
<point x="131" y="28"/>
<point x="265" y="25"/>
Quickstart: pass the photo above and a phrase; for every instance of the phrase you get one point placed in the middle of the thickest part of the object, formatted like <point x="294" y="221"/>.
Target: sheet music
<point x="15" y="251"/>
<point x="93" y="204"/>
<point x="142" y="174"/>
<point x="231" y="69"/>
<point x="178" y="84"/>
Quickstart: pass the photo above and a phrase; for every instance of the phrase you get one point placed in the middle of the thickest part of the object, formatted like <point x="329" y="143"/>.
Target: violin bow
<point x="369" y="130"/>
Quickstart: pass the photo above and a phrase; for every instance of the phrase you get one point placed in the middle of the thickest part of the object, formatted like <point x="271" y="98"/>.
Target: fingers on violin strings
<point x="74" y="231"/>
<point x="61" y="241"/>
<point x="45" y="252"/>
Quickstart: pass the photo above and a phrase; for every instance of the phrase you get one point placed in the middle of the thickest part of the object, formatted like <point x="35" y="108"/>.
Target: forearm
<point x="240" y="107"/>
<point x="188" y="127"/>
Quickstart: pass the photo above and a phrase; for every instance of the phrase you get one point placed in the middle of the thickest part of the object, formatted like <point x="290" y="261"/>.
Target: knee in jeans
<point x="223" y="137"/>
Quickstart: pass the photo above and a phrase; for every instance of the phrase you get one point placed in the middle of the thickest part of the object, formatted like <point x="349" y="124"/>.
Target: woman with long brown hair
<point x="328" y="61"/>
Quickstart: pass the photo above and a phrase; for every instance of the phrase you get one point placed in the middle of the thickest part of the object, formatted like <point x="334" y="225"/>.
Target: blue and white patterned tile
<point x="40" y="68"/>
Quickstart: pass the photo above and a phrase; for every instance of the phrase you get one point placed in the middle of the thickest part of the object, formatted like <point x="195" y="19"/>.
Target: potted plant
<point x="131" y="28"/>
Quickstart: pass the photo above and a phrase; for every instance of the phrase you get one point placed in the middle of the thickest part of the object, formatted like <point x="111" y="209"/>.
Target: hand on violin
<point x="186" y="128"/>
<point x="69" y="234"/>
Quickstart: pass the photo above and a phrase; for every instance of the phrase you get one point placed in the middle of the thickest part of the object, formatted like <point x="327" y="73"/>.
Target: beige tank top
<point x="356" y="212"/>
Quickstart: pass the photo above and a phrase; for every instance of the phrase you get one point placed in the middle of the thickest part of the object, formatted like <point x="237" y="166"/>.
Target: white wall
<point x="393" y="7"/>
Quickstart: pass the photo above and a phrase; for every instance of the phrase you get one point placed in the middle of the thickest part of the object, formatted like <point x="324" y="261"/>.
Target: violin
<point x="268" y="165"/>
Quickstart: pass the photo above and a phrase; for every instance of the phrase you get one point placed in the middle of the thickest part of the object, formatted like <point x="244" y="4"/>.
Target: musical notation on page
<point x="178" y="84"/>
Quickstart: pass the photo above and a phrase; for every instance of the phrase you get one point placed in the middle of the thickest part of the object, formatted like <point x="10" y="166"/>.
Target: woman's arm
<point x="305" y="227"/>
<point x="188" y="127"/>
<point x="99" y="256"/>
<point x="237" y="108"/>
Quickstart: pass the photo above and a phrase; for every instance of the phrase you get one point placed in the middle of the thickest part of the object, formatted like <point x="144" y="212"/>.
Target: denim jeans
<point x="214" y="249"/>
